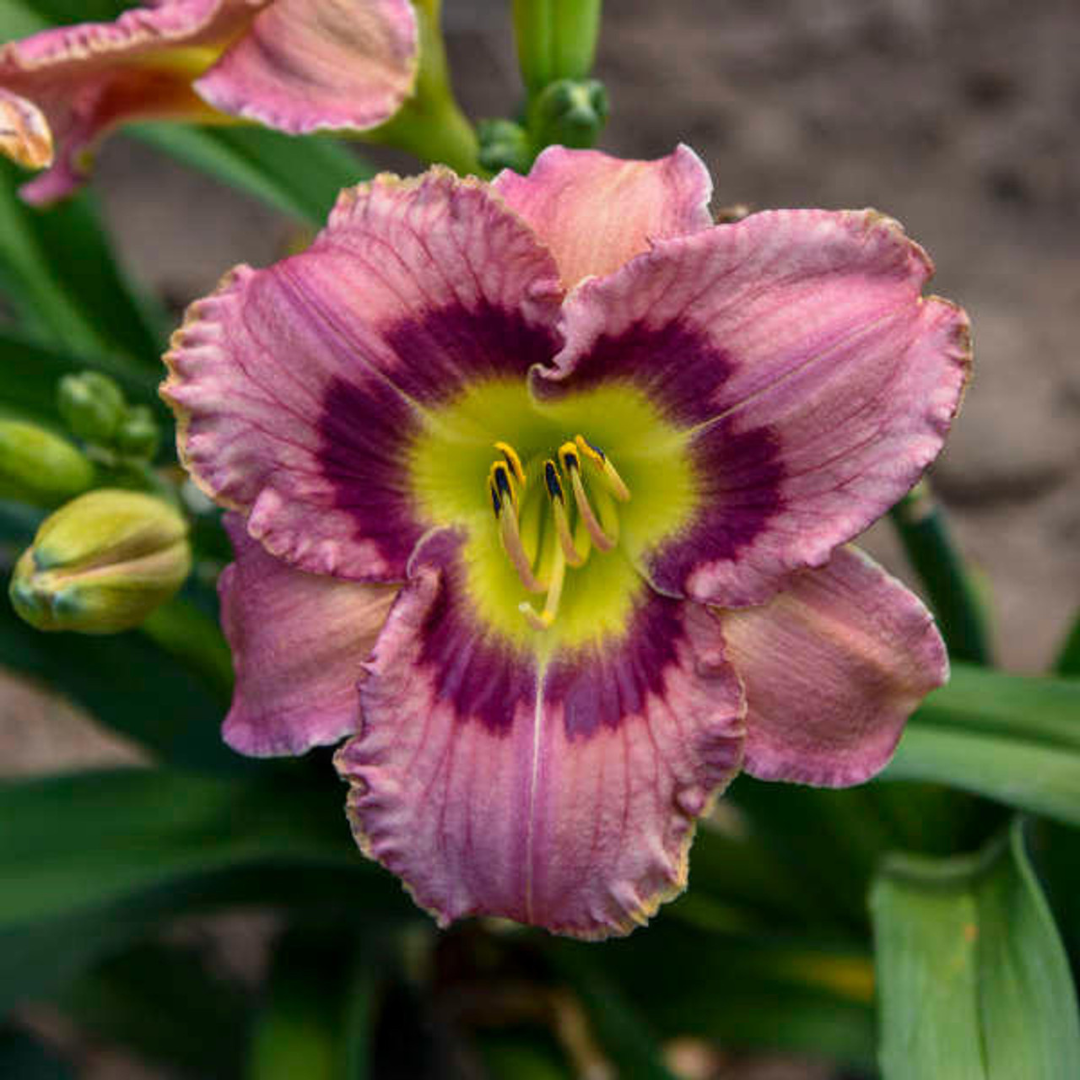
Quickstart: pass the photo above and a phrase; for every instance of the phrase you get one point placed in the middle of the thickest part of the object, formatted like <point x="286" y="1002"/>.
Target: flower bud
<point x="571" y="112"/>
<point x="102" y="563"/>
<point x="138" y="434"/>
<point x="556" y="39"/>
<point x="39" y="467"/>
<point x="504" y="145"/>
<point x="91" y="404"/>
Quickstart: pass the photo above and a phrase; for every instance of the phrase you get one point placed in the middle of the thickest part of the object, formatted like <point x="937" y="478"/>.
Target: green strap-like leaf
<point x="973" y="981"/>
<point x="58" y="271"/>
<point x="299" y="176"/>
<point x="1011" y="738"/>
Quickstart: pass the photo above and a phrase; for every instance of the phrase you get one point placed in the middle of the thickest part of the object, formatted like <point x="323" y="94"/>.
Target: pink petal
<point x="308" y="65"/>
<point x="833" y="666"/>
<point x="86" y="79"/>
<point x="564" y="797"/>
<point x="299" y="642"/>
<point x="596" y="212"/>
<point x="817" y="384"/>
<point x="300" y="388"/>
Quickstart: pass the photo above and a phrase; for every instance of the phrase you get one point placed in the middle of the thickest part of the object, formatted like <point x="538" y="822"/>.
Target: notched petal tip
<point x="25" y="136"/>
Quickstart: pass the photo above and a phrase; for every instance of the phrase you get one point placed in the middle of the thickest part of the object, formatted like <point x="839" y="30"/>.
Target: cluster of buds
<point x="108" y="557"/>
<point x="556" y="46"/>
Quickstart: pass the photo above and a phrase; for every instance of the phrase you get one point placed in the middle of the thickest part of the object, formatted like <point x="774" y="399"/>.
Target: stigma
<point x="551" y="513"/>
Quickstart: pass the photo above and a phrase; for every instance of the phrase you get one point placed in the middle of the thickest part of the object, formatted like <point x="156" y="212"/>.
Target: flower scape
<point x="540" y="491"/>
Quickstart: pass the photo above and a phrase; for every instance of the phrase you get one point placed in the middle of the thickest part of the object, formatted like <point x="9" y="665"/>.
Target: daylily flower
<point x="295" y="65"/>
<point x="560" y="474"/>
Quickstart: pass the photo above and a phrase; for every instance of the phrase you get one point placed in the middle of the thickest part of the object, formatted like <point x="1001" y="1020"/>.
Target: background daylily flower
<point x="608" y="456"/>
<point x="295" y="65"/>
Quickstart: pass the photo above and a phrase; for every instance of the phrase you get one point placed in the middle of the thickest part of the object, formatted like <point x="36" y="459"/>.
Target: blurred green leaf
<point x="164" y="1002"/>
<point x="70" y="843"/>
<point x="18" y="19"/>
<point x="130" y="684"/>
<point x="799" y="992"/>
<point x="22" y="1057"/>
<point x="974" y="982"/>
<point x="30" y="371"/>
<point x="318" y="1017"/>
<point x="58" y="271"/>
<point x="1068" y="660"/>
<point x="1012" y="738"/>
<point x="299" y="176"/>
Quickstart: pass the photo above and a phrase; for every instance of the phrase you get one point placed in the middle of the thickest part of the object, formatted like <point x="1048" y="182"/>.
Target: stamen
<point x="504" y="502"/>
<point x="562" y="523"/>
<point x="512" y="460"/>
<point x="546" y="617"/>
<point x="612" y="480"/>
<point x="568" y="452"/>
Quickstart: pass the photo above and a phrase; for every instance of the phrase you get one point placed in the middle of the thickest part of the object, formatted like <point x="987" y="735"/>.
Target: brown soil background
<point x="959" y="119"/>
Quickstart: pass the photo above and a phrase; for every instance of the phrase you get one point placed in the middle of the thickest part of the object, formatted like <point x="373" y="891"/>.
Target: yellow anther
<point x="512" y="460"/>
<point x="608" y="473"/>
<point x="568" y="455"/>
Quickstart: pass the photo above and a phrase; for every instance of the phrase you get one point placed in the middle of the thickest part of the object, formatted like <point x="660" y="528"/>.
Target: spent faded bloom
<point x="559" y="474"/>
<point x="295" y="65"/>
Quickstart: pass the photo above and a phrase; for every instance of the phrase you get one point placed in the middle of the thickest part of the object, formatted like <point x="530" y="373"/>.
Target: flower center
<point x="541" y="530"/>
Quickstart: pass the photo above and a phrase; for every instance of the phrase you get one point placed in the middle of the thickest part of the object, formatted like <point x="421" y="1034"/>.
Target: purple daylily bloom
<point x="541" y="490"/>
<point x="295" y="65"/>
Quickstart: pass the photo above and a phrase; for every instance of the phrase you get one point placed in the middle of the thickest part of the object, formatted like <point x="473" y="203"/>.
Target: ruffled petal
<point x="833" y="666"/>
<point x="596" y="212"/>
<point x="561" y="793"/>
<point x="86" y="79"/>
<point x="300" y="388"/>
<point x="298" y="643"/>
<point x="308" y="65"/>
<point x="813" y="383"/>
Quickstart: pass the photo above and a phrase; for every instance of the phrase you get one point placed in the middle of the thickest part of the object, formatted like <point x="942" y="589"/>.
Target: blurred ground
<point x="959" y="119"/>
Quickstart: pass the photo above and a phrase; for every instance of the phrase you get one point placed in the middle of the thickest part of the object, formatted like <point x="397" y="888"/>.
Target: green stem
<point x="924" y="532"/>
<point x="431" y="124"/>
<point x="187" y="633"/>
<point x="1068" y="661"/>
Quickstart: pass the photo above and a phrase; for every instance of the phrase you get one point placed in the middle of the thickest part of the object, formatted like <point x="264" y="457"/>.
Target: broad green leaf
<point x="72" y="843"/>
<point x="320" y="1008"/>
<point x="22" y="1057"/>
<point x="799" y="992"/>
<point x="299" y="176"/>
<point x="18" y="19"/>
<point x="58" y="271"/>
<point x="973" y="981"/>
<point x="1011" y="738"/>
<point x="153" y="998"/>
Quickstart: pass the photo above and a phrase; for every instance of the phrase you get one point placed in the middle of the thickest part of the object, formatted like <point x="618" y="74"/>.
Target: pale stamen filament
<point x="568" y="452"/>
<point x="545" y="618"/>
<point x="573" y="556"/>
<point x="504" y="502"/>
<point x="606" y="472"/>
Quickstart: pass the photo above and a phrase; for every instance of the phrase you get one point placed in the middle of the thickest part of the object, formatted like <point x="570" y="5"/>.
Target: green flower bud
<point x="39" y="467"/>
<point x="556" y="39"/>
<point x="570" y="112"/>
<point x="102" y="563"/>
<point x="138" y="434"/>
<point x="504" y="145"/>
<point x="91" y="404"/>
